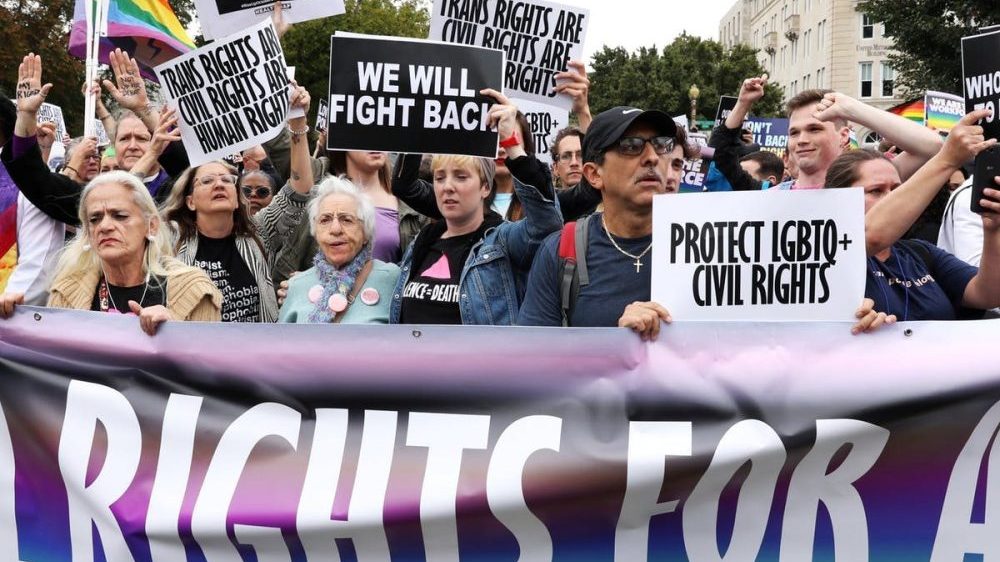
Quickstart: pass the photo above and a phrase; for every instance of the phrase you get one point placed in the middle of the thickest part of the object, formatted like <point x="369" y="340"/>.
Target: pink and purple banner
<point x="774" y="441"/>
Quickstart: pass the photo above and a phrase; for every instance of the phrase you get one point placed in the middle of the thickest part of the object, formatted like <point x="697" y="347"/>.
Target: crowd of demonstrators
<point x="343" y="222"/>
<point x="478" y="241"/>
<point x="818" y="133"/>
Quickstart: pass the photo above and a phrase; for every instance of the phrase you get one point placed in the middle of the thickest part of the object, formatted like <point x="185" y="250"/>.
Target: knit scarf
<point x="334" y="281"/>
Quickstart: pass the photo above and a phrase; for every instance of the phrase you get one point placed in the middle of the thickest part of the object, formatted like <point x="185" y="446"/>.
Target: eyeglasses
<point x="569" y="156"/>
<point x="346" y="220"/>
<point x="210" y="179"/>
<point x="259" y="192"/>
<point x="633" y="146"/>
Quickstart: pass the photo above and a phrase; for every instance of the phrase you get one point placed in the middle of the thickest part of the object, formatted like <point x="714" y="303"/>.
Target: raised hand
<point x="166" y="133"/>
<point x="31" y="93"/>
<point x="836" y="106"/>
<point x="752" y="89"/>
<point x="128" y="89"/>
<point x="281" y="25"/>
<point x="575" y="84"/>
<point x="965" y="140"/>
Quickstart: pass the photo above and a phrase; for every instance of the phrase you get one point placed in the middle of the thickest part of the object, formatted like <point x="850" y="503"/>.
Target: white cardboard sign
<point x="751" y="256"/>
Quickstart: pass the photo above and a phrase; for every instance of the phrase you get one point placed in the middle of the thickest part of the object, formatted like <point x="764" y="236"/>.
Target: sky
<point x="643" y="23"/>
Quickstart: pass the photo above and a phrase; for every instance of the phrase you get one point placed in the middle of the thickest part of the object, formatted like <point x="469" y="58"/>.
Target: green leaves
<point x="654" y="79"/>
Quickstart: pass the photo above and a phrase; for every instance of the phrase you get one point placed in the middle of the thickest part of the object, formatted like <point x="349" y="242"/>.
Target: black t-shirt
<point x="240" y="295"/>
<point x="432" y="292"/>
<point x="151" y="293"/>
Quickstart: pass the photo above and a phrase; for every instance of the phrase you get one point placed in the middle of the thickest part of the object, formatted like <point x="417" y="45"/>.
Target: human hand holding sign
<point x="574" y="83"/>
<point x="965" y="140"/>
<point x="503" y="116"/>
<point x="150" y="317"/>
<point x="644" y="319"/>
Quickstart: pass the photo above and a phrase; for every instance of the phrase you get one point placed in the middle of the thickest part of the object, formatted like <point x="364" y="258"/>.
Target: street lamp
<point x="693" y="93"/>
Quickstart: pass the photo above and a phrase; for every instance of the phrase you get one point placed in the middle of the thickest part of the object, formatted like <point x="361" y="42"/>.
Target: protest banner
<point x="219" y="18"/>
<point x="770" y="441"/>
<point x="411" y="95"/>
<point x="695" y="169"/>
<point x="539" y="38"/>
<point x="726" y="105"/>
<point x="771" y="134"/>
<point x="322" y="115"/>
<point x="981" y="78"/>
<point x="51" y="113"/>
<point x="740" y="256"/>
<point x="942" y="111"/>
<point x="230" y="94"/>
<point x="545" y="121"/>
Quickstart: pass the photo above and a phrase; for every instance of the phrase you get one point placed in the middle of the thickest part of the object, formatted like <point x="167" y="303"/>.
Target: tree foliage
<point x="42" y="27"/>
<point x="654" y="79"/>
<point x="927" y="37"/>
<point x="307" y="44"/>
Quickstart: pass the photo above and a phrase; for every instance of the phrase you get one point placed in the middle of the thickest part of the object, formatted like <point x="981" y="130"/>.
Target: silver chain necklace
<point x="638" y="259"/>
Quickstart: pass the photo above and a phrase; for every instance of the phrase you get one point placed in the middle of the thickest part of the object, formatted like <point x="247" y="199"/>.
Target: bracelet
<point x="298" y="133"/>
<point x="510" y="141"/>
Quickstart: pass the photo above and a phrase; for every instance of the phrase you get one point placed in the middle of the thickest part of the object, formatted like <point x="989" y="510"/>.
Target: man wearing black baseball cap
<point x="629" y="155"/>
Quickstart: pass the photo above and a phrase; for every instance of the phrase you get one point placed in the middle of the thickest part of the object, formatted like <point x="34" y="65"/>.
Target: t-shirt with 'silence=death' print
<point x="219" y="258"/>
<point x="432" y="293"/>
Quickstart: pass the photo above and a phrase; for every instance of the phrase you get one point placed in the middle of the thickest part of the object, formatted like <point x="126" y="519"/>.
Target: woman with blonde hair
<point x="121" y="262"/>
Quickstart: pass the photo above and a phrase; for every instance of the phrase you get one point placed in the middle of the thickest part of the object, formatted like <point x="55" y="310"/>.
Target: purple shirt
<point x="386" y="246"/>
<point x="21" y="145"/>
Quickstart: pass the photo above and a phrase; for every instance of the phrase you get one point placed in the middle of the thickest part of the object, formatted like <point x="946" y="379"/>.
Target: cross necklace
<point x="638" y="259"/>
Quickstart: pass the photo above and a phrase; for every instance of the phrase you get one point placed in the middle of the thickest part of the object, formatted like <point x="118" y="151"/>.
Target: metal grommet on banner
<point x="38" y="317"/>
<point x="908" y="332"/>
<point x="416" y="333"/>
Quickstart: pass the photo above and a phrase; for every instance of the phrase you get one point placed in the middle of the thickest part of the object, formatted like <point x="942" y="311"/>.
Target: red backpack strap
<point x="567" y="270"/>
<point x="567" y="243"/>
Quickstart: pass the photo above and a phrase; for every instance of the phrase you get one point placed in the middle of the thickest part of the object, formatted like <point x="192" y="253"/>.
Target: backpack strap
<point x="573" y="265"/>
<point x="567" y="270"/>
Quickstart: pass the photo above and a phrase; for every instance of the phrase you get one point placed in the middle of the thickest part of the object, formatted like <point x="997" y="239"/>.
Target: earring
<point x="150" y="237"/>
<point x="86" y="246"/>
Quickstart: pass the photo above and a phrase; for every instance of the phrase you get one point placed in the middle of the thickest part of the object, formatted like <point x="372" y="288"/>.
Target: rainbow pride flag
<point x="8" y="227"/>
<point x="147" y="29"/>
<point x="912" y="110"/>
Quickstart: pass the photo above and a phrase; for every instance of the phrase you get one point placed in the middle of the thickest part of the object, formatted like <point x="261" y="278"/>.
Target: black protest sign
<point x="726" y="105"/>
<point x="322" y="115"/>
<point x="230" y="94"/>
<point x="405" y="95"/>
<point x="538" y="37"/>
<point x="981" y="78"/>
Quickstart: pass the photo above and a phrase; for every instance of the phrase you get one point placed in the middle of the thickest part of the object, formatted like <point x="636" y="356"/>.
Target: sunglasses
<point x="633" y="146"/>
<point x="259" y="192"/>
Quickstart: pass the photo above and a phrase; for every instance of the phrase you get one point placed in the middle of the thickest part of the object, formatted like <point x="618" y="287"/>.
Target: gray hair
<point x="343" y="186"/>
<point x="78" y="255"/>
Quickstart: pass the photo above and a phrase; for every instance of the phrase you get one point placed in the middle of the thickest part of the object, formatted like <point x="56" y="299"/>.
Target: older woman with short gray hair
<point x="345" y="285"/>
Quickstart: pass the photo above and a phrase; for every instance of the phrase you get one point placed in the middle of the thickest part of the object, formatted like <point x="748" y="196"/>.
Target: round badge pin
<point x="370" y="296"/>
<point x="315" y="293"/>
<point x="337" y="303"/>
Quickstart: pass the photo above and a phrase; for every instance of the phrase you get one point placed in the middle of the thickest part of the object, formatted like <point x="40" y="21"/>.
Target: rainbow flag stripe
<point x="912" y="110"/>
<point x="8" y="227"/>
<point x="147" y="29"/>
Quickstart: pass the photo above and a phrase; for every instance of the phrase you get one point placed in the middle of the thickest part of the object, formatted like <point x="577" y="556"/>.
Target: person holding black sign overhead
<point x="471" y="267"/>
<point x="913" y="279"/>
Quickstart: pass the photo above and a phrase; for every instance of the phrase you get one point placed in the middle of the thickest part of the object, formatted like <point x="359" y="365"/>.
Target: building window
<point x="795" y="48"/>
<point x="867" y="27"/>
<point x="866" y="79"/>
<point x="888" y="80"/>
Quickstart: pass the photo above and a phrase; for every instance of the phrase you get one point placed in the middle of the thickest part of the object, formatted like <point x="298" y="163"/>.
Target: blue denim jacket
<point x="493" y="280"/>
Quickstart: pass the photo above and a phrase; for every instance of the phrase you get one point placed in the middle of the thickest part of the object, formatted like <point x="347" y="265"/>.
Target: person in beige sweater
<point x="121" y="261"/>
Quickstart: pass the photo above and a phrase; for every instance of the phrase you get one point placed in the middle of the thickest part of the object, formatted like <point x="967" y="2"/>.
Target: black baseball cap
<point x="609" y="126"/>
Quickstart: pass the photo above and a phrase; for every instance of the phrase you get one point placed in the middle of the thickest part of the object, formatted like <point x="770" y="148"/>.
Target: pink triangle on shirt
<point x="439" y="270"/>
